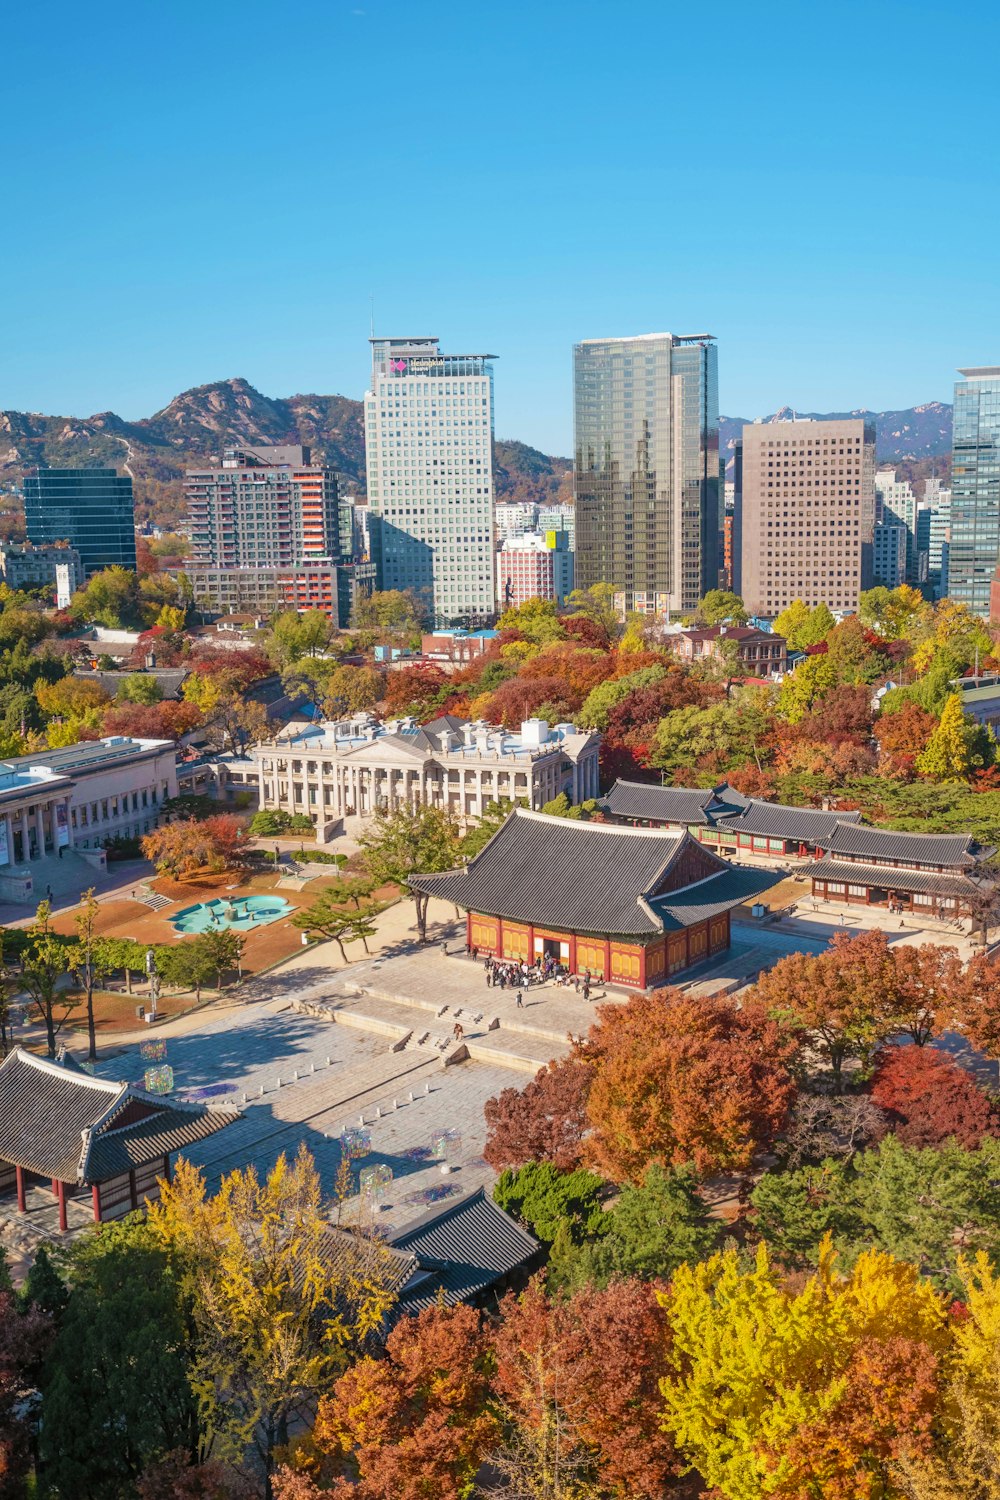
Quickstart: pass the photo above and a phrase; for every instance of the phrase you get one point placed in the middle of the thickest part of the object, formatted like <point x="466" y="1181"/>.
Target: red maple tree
<point x="931" y="1097"/>
<point x="544" y="1121"/>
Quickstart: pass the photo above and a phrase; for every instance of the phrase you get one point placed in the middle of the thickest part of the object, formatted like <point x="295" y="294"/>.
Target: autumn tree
<point x="964" y="1463"/>
<point x="157" y="721"/>
<point x="544" y="1121"/>
<point x="954" y="749"/>
<point x="931" y="1098"/>
<point x="25" y="1338"/>
<point x="274" y="1315"/>
<point x="410" y="840"/>
<point x="576" y="1384"/>
<point x="183" y="848"/>
<point x="678" y="1077"/>
<point x="977" y="1004"/>
<point x="780" y="1392"/>
<point x="414" y="1424"/>
<point x="835" y="1127"/>
<point x="843" y="999"/>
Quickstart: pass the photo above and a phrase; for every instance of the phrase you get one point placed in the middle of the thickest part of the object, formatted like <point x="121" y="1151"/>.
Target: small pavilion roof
<point x="59" y="1121"/>
<point x="894" y="878"/>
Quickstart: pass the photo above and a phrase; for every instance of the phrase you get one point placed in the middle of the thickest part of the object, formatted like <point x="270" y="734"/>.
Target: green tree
<point x="110" y="598"/>
<point x="44" y="966"/>
<point x="412" y="840"/>
<point x="332" y="919"/>
<point x="350" y="690"/>
<point x="719" y="606"/>
<point x="223" y="949"/>
<point x="952" y="752"/>
<point x="547" y="1199"/>
<point x="394" y="612"/>
<point x="116" y="1393"/>
<point x="651" y="1229"/>
<point x="87" y="957"/>
<point x="495" y="815"/>
<point x="926" y="1206"/>
<point x="186" y="966"/>
<point x="139" y="687"/>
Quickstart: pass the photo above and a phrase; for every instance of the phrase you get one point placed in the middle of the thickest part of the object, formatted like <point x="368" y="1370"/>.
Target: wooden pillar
<point x="499" y="937"/>
<point x="55" y="1187"/>
<point x="468" y="929"/>
<point x="95" y="1194"/>
<point x="531" y="943"/>
<point x="166" y="1168"/>
<point x="642" y="966"/>
<point x="131" y="1190"/>
<point x="62" y="1207"/>
<point x="19" y="1177"/>
<point x="607" y="959"/>
<point x="572" y="953"/>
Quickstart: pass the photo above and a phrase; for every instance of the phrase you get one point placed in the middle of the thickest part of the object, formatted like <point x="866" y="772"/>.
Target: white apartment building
<point x="429" y="452"/>
<point x="895" y="500"/>
<point x="512" y="518"/>
<point x="355" y="766"/>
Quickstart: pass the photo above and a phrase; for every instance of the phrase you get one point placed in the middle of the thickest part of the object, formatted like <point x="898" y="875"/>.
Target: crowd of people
<point x="504" y="973"/>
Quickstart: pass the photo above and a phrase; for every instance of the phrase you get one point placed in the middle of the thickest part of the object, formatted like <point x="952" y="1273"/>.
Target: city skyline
<point x="349" y="194"/>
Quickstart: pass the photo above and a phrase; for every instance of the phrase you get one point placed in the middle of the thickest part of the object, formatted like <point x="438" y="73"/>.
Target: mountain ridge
<point x="196" y="424"/>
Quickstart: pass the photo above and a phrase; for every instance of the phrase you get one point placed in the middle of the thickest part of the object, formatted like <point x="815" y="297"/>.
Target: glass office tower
<point x="91" y="509"/>
<point x="974" y="551"/>
<point x="648" y="496"/>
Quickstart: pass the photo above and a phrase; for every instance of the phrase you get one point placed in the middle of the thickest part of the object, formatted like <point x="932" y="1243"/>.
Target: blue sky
<point x="193" y="191"/>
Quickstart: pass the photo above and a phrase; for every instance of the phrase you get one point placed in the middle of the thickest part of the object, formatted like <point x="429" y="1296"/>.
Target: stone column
<point x="9" y="824"/>
<point x="40" y="828"/>
<point x="23" y="830"/>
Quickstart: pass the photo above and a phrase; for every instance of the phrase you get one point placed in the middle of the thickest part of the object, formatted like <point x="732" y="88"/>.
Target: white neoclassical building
<point x="355" y="766"/>
<point x="78" y="797"/>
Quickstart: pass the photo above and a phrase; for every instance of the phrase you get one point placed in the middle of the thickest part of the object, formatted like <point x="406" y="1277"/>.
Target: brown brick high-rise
<point x="807" y="514"/>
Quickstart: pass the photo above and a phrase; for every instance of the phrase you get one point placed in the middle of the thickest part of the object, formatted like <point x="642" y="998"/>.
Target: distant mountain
<point x="197" y="424"/>
<point x="916" y="433"/>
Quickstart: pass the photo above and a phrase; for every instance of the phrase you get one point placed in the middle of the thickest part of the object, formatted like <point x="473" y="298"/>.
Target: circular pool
<point x="242" y="914"/>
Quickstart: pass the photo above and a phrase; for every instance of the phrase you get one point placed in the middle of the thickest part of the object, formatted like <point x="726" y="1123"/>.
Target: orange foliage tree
<point x="678" y="1078"/>
<point x="412" y="1425"/>
<point x="851" y="997"/>
<point x="187" y="847"/>
<point x="577" y="1383"/>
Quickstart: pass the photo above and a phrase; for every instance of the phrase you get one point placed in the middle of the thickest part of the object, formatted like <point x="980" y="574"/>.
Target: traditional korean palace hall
<point x="724" y="819"/>
<point x="95" y="1148"/>
<point x="933" y="875"/>
<point x="632" y="905"/>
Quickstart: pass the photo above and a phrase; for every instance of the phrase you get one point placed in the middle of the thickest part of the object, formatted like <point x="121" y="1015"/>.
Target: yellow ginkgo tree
<point x="795" y="1393"/>
<point x="279" y="1307"/>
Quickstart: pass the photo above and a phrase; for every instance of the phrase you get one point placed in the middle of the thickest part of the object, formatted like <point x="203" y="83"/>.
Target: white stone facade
<point x="83" y="795"/>
<point x="355" y="766"/>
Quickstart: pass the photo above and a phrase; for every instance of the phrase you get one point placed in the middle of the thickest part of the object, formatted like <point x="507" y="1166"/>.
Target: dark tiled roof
<point x="732" y="887"/>
<point x="451" y="1254"/>
<point x="461" y="1251"/>
<point x="585" y="877"/>
<point x="445" y="724"/>
<point x="888" y="878"/>
<point x="806" y="825"/>
<point x="57" y="1120"/>
<point x="670" y="804"/>
<point x="927" y="848"/>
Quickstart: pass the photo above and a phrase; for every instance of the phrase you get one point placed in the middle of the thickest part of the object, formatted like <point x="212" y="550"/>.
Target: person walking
<point x="520" y="1000"/>
<point x="489" y="978"/>
<point x="586" y="989"/>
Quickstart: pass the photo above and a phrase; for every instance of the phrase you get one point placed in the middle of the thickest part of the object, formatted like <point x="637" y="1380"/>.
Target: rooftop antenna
<point x="371" y="300"/>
